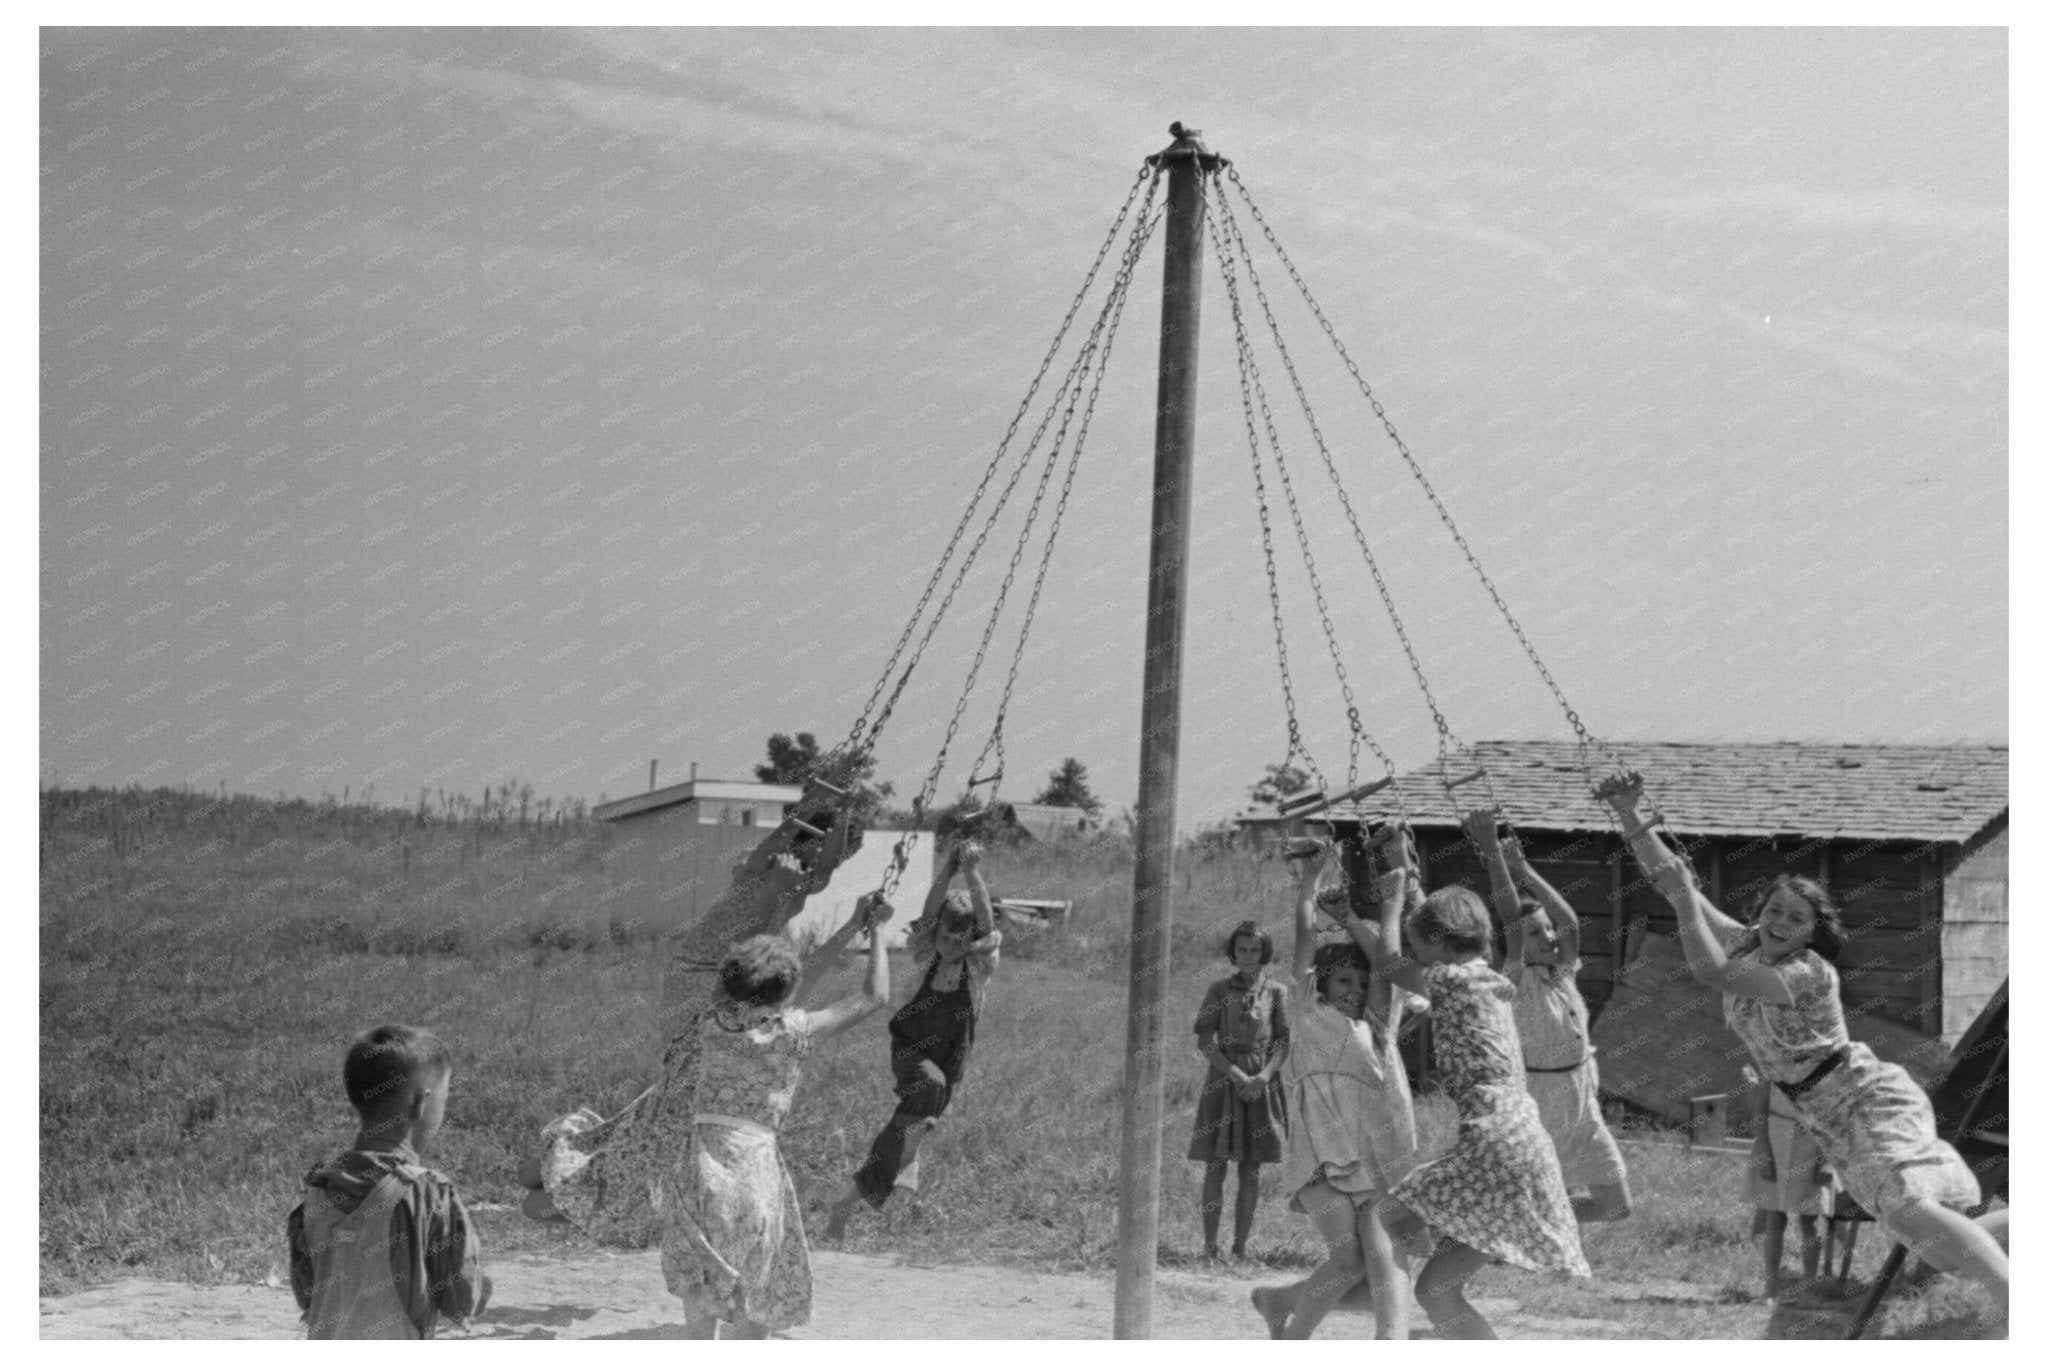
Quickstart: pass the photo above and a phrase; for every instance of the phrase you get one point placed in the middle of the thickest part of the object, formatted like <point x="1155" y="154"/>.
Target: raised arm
<point x="1563" y="918"/>
<point x="873" y="911"/>
<point x="1398" y="891"/>
<point x="969" y="857"/>
<point x="1481" y="829"/>
<point x="935" y="899"/>
<point x="1305" y="867"/>
<point x="1701" y="927"/>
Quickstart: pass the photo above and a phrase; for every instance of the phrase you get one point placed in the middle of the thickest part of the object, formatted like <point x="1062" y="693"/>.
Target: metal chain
<point x="1584" y="737"/>
<point x="1252" y="392"/>
<point x="1001" y="502"/>
<point x="1295" y="747"/>
<point x="1119" y="294"/>
<point x="857" y="740"/>
<point x="1445" y="738"/>
<point x="1379" y="411"/>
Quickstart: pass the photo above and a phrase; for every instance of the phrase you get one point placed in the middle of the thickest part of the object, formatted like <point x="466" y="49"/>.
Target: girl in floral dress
<point x="1351" y="1122"/>
<point x="1241" y="1117"/>
<point x="1498" y="1194"/>
<point x="733" y="1247"/>
<point x="1542" y="935"/>
<point x="1780" y="995"/>
<point x="601" y="1174"/>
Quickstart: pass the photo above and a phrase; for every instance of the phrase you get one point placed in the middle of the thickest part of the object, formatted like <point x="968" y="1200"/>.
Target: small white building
<point x="673" y="851"/>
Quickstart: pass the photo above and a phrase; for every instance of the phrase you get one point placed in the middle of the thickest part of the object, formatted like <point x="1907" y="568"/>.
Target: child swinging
<point x="1542" y="933"/>
<point x="1351" y="1120"/>
<point x="1498" y="1194"/>
<point x="956" y="941"/>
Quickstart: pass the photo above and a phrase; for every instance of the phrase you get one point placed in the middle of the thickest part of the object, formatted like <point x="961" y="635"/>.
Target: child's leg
<point x="1247" y="1206"/>
<point x="1954" y="1242"/>
<point x="1212" y="1203"/>
<point x="1440" y="1290"/>
<point x="1405" y="1227"/>
<point x="1809" y="1246"/>
<point x="1774" y="1250"/>
<point x="1337" y="1219"/>
<point x="1388" y="1277"/>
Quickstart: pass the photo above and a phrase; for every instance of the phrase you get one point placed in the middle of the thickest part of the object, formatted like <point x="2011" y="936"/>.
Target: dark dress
<point x="929" y="1041"/>
<point x="1248" y="1021"/>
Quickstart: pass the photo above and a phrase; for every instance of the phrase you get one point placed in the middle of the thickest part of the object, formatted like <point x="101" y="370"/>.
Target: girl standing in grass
<point x="1498" y="1194"/>
<point x="1241" y="1031"/>
<point x="1786" y="1179"/>
<point x="1351" y="1120"/>
<point x="1780" y="995"/>
<point x="1550" y="1016"/>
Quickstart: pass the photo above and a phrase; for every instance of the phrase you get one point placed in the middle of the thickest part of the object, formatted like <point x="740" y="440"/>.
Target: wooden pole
<point x="1180" y="314"/>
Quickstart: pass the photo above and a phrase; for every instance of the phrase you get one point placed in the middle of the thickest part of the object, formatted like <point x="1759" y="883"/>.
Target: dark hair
<point x="1454" y="917"/>
<point x="762" y="971"/>
<point x="383" y="1063"/>
<point x="1248" y="928"/>
<point x="1827" y="917"/>
<point x="1339" y="954"/>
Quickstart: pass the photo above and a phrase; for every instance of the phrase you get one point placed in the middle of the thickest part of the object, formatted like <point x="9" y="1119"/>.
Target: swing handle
<point x="1474" y="776"/>
<point x="994" y="777"/>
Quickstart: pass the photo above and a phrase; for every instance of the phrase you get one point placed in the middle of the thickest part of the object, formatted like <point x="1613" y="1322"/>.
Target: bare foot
<point x="1263" y="1300"/>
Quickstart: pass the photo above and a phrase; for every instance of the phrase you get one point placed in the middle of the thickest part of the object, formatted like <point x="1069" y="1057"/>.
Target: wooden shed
<point x="1911" y="839"/>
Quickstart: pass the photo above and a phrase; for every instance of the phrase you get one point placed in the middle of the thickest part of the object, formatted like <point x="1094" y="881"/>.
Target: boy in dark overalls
<point x="956" y="941"/>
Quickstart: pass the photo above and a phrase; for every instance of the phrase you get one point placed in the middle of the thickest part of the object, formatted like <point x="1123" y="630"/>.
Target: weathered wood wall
<point x="1973" y="934"/>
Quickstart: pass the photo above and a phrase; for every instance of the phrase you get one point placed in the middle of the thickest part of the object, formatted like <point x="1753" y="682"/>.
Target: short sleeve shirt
<point x="1788" y="1041"/>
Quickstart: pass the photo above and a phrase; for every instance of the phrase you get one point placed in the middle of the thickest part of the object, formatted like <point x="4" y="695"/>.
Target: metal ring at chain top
<point x="858" y="740"/>
<point x="1571" y="716"/>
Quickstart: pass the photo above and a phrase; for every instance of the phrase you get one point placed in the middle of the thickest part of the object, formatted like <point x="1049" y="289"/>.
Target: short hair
<point x="1338" y="954"/>
<point x="1454" y="917"/>
<point x="383" y="1063"/>
<point x="1251" y="928"/>
<point x="1827" y="917"/>
<point x="762" y="971"/>
<point x="957" y="912"/>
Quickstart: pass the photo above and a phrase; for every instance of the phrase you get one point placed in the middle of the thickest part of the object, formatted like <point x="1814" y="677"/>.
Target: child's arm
<point x="300" y="1257"/>
<point x="874" y="911"/>
<point x="977" y="890"/>
<point x="1208" y="1020"/>
<point x="1563" y="918"/>
<point x="1305" y="870"/>
<point x="1480" y="829"/>
<point x="1700" y="925"/>
<point x="1399" y="892"/>
<point x="453" y="1256"/>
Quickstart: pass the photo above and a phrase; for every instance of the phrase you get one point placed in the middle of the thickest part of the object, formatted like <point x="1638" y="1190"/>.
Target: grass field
<point x="204" y="962"/>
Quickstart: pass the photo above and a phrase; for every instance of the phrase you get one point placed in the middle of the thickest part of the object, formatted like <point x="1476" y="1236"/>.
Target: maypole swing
<point x="1190" y="212"/>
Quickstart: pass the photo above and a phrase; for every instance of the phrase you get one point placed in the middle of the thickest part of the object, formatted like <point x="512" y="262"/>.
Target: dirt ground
<point x="579" y="1292"/>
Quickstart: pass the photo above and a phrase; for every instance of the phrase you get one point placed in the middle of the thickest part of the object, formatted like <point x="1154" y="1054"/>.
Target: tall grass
<point x="205" y="961"/>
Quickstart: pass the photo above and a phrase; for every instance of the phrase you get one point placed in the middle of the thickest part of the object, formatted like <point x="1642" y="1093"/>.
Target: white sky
<point x="442" y="408"/>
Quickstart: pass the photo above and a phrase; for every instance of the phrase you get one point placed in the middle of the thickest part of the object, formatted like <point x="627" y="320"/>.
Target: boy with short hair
<point x="381" y="1247"/>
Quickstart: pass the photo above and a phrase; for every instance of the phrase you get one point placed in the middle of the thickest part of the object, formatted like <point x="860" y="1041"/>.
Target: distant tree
<point x="1068" y="786"/>
<point x="1280" y="781"/>
<point x="795" y="760"/>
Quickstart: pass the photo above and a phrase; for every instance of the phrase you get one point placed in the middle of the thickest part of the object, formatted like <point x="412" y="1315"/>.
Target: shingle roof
<point x="1930" y="793"/>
